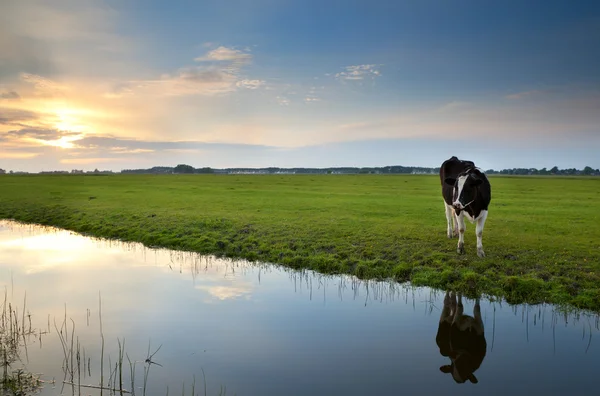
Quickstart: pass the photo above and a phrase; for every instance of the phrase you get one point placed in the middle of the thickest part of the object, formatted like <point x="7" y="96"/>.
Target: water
<point x="263" y="330"/>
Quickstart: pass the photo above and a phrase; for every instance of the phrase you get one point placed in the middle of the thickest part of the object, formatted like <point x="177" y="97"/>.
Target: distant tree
<point x="588" y="170"/>
<point x="205" y="170"/>
<point x="181" y="168"/>
<point x="554" y="170"/>
<point x="2" y="171"/>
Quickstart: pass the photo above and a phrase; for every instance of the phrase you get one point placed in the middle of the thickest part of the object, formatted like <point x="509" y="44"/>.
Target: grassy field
<point x="542" y="236"/>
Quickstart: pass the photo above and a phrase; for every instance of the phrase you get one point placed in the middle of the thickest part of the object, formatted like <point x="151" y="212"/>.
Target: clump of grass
<point x="14" y="333"/>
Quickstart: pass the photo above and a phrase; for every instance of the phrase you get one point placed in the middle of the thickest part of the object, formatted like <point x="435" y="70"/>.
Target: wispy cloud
<point x="526" y="94"/>
<point x="61" y="37"/>
<point x="10" y="95"/>
<point x="283" y="101"/>
<point x="44" y="87"/>
<point x="359" y="72"/>
<point x="10" y="116"/>
<point x="310" y="99"/>
<point x="454" y="105"/>
<point x="217" y="72"/>
<point x="313" y="94"/>
<point x="250" y="84"/>
<point x="93" y="161"/>
<point x="226" y="54"/>
<point x="110" y="142"/>
<point x="124" y="150"/>
<point x="17" y="154"/>
<point x="43" y="137"/>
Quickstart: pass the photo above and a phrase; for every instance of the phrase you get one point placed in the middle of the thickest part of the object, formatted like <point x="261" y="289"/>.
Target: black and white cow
<point x="467" y="193"/>
<point x="461" y="338"/>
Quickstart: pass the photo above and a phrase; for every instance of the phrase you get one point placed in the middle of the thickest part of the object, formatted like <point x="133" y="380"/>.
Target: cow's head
<point x="461" y="369"/>
<point x="465" y="189"/>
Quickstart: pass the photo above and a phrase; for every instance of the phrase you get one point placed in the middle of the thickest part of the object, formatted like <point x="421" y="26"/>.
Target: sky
<point x="123" y="84"/>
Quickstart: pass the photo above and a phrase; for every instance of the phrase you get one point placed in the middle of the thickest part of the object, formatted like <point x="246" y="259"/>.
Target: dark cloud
<point x="40" y="133"/>
<point x="13" y="116"/>
<point x="10" y="95"/>
<point x="18" y="53"/>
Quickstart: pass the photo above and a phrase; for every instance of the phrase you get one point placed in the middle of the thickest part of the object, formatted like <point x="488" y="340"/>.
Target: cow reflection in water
<point x="461" y="338"/>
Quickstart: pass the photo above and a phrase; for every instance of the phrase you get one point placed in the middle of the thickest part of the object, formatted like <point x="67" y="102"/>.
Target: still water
<point x="253" y="329"/>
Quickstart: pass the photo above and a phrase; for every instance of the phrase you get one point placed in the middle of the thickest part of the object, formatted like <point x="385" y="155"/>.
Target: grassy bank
<point x="542" y="237"/>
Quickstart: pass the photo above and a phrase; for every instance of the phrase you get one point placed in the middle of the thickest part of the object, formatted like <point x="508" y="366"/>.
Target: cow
<point x="467" y="193"/>
<point x="461" y="338"/>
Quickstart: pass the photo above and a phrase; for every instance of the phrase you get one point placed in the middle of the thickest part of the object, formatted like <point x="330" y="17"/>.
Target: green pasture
<point x="542" y="236"/>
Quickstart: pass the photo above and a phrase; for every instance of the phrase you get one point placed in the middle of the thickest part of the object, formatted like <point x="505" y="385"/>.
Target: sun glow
<point x="65" y="142"/>
<point x="67" y="120"/>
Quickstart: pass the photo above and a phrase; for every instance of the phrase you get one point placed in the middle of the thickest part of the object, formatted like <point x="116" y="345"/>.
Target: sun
<point x="67" y="120"/>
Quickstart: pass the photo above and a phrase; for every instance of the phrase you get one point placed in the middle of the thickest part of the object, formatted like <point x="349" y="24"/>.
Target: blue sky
<point x="128" y="84"/>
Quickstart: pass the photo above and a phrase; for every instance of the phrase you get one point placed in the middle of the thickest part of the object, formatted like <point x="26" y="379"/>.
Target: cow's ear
<point x="446" y="369"/>
<point x="473" y="379"/>
<point x="450" y="180"/>
<point x="477" y="182"/>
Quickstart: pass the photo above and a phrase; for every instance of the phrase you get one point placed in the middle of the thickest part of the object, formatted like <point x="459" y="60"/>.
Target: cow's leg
<point x="461" y="233"/>
<point x="477" y="316"/>
<point x="479" y="232"/>
<point x="450" y="220"/>
<point x="458" y="312"/>
<point x="455" y="218"/>
<point x="447" y="310"/>
<point x="453" y="301"/>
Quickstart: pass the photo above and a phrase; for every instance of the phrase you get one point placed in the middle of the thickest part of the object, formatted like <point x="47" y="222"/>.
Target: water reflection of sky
<point x="259" y="330"/>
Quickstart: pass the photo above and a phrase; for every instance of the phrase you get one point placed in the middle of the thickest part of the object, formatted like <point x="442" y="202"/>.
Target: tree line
<point x="396" y="169"/>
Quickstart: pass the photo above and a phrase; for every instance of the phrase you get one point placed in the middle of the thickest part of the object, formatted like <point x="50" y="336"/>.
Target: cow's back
<point x="452" y="167"/>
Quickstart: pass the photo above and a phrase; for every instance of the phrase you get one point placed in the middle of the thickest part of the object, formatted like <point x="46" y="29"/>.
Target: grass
<point x="542" y="237"/>
<point x="15" y="333"/>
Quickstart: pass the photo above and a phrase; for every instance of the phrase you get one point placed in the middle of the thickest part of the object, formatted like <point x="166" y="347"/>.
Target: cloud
<point x="124" y="150"/>
<point x="283" y="101"/>
<point x="43" y="137"/>
<point x="218" y="72"/>
<point x="112" y="142"/>
<point x="312" y="95"/>
<point x="183" y="151"/>
<point x="454" y="105"/>
<point x="61" y="37"/>
<point x="250" y="84"/>
<point x="9" y="116"/>
<point x="44" y="87"/>
<point x="91" y="161"/>
<point x="10" y="95"/>
<point x="39" y="133"/>
<point x="17" y="155"/>
<point x="525" y="94"/>
<point x="359" y="72"/>
<point x="226" y="54"/>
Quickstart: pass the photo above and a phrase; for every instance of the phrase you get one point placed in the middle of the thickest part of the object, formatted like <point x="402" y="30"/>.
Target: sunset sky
<point x="131" y="84"/>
